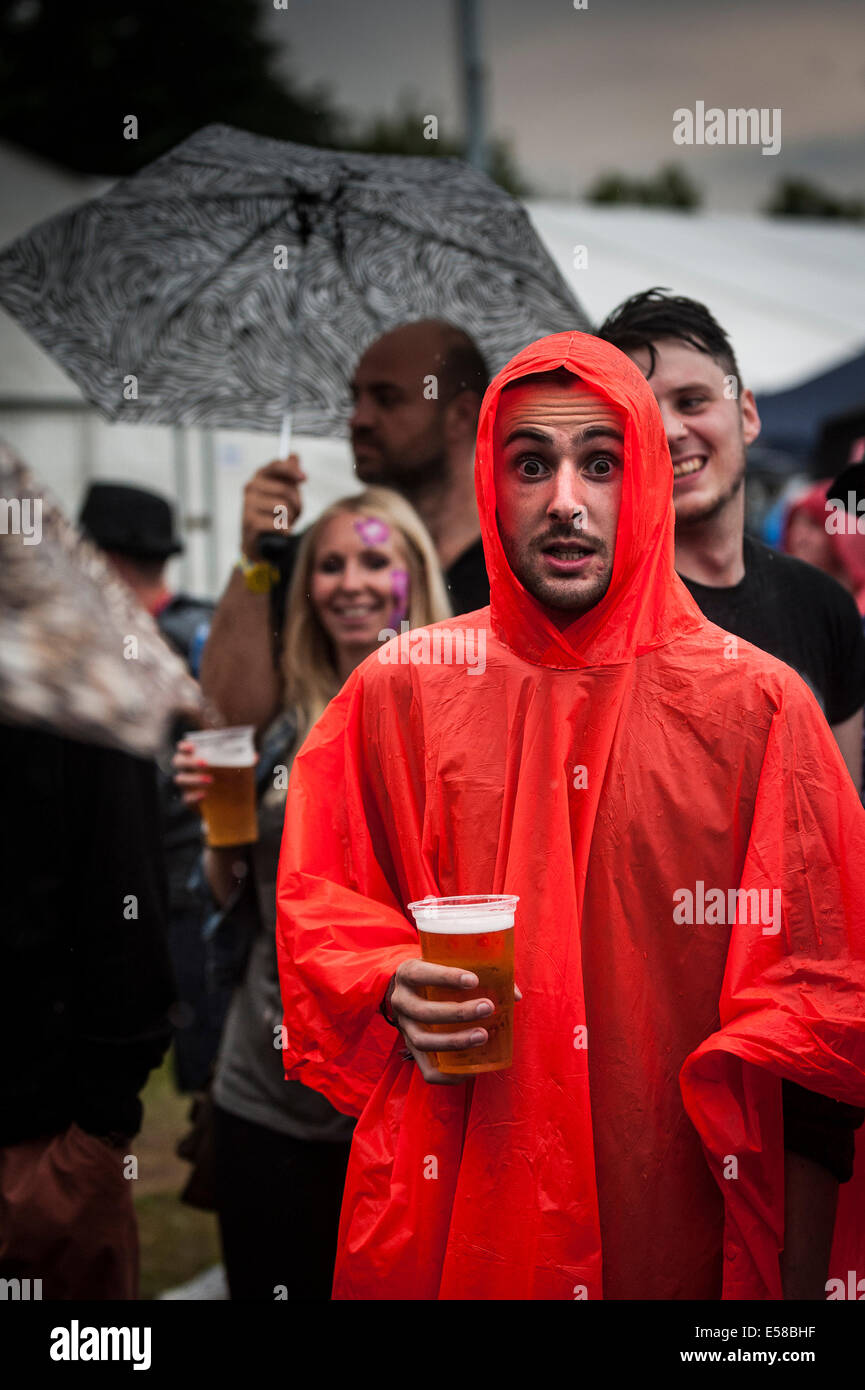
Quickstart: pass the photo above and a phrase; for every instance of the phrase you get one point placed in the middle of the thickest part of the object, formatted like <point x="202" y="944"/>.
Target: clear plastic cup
<point x="228" y="806"/>
<point x="473" y="933"/>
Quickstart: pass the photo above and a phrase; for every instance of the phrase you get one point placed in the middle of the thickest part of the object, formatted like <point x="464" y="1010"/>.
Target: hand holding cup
<point x="415" y="1013"/>
<point x="190" y="773"/>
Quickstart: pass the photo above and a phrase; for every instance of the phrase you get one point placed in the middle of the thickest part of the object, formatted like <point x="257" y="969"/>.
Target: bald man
<point x="417" y="393"/>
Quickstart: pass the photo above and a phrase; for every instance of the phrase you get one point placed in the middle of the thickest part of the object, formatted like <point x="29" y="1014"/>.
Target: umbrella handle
<point x="275" y="548"/>
<point x="285" y="435"/>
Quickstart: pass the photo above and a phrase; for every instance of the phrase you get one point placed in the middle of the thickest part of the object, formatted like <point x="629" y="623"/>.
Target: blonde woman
<point x="281" y="1149"/>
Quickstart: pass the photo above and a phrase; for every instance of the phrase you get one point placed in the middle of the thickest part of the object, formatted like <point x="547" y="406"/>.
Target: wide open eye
<point x="531" y="467"/>
<point x="602" y="465"/>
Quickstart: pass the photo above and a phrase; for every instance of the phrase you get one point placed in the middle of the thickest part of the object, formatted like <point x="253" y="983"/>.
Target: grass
<point x="177" y="1241"/>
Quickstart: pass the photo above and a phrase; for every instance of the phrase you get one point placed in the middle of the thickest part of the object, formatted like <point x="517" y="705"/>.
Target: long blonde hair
<point x="310" y="679"/>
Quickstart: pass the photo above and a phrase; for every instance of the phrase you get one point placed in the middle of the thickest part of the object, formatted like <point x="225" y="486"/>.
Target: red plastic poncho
<point x="648" y="1052"/>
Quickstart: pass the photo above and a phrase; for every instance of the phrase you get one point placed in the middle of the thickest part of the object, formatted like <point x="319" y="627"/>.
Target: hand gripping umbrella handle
<point x="275" y="548"/>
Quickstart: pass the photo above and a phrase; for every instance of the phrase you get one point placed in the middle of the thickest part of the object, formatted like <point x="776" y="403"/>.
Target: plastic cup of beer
<point x="473" y="933"/>
<point x="228" y="806"/>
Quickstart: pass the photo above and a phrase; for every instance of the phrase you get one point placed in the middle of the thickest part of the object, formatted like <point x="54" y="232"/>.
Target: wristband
<point x="258" y="576"/>
<point x="384" y="1006"/>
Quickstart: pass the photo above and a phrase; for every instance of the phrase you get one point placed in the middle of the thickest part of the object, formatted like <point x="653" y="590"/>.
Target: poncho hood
<point x="646" y="604"/>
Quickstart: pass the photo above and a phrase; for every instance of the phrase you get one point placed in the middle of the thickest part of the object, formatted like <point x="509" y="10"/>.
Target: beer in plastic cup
<point x="473" y="933"/>
<point x="228" y="805"/>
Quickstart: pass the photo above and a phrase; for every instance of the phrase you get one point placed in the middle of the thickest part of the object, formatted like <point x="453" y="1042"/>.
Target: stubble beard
<point x="412" y="482"/>
<point x="714" y="508"/>
<point x="556" y="593"/>
<point x="576" y="605"/>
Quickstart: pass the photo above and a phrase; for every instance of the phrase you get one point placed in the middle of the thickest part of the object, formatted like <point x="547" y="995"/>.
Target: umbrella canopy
<point x="238" y="276"/>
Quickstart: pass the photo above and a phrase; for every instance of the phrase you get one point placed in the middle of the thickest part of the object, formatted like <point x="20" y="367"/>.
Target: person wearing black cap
<point x="137" y="531"/>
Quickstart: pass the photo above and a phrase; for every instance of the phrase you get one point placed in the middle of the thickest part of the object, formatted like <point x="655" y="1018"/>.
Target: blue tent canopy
<point x="793" y="419"/>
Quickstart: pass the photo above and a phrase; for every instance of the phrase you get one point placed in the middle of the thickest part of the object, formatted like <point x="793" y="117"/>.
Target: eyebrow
<point x="376" y="386"/>
<point x="581" y="437"/>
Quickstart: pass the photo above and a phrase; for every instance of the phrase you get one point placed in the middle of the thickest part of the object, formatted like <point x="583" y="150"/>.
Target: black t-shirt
<point x="800" y="615"/>
<point x="467" y="580"/>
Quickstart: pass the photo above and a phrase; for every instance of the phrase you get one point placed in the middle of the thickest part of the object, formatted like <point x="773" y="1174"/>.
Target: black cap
<point x="130" y="521"/>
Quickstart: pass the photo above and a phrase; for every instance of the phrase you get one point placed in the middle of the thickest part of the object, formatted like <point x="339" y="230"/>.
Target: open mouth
<point x="569" y="549"/>
<point x="686" y="467"/>
<point x="567" y="557"/>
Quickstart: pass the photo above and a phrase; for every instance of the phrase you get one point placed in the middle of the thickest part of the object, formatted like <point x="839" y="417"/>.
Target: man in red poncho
<point x="689" y="855"/>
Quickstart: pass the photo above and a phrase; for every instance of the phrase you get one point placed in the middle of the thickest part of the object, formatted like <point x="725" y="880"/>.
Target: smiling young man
<point x="787" y="608"/>
<point x="608" y="758"/>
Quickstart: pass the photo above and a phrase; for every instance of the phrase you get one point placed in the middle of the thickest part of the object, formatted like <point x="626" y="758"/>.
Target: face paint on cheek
<point x="372" y="530"/>
<point x="399" y="592"/>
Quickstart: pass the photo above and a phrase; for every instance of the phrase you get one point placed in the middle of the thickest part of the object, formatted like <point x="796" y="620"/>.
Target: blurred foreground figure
<point x="88" y="991"/>
<point x="779" y="604"/>
<point x="136" y="530"/>
<point x="78" y="653"/>
<point x="689" y="856"/>
<point x="86" y="691"/>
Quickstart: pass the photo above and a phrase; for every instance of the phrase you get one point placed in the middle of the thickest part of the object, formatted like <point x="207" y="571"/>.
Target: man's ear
<point x="461" y="417"/>
<point x="750" y="418"/>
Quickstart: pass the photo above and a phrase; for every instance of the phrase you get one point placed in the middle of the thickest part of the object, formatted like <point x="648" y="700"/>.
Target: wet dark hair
<point x="653" y="314"/>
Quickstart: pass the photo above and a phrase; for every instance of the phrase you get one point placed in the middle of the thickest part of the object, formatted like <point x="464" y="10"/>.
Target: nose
<point x="362" y="416"/>
<point x="352" y="578"/>
<point x="675" y="427"/>
<point x="569" y="495"/>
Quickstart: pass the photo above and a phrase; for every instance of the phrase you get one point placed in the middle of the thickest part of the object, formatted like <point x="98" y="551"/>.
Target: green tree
<point x="70" y="70"/>
<point x="404" y="133"/>
<point x="668" y="188"/>
<point x="801" y="198"/>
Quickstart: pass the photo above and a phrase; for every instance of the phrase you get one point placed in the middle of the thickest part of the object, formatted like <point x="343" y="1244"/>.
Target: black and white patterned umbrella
<point x="238" y="276"/>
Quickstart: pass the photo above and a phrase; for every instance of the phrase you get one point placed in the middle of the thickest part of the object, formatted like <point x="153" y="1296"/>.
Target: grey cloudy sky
<point x="580" y="91"/>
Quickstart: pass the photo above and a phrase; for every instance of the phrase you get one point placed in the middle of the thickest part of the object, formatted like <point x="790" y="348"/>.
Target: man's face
<point x="559" y="454"/>
<point x="707" y="427"/>
<point x="397" y="436"/>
